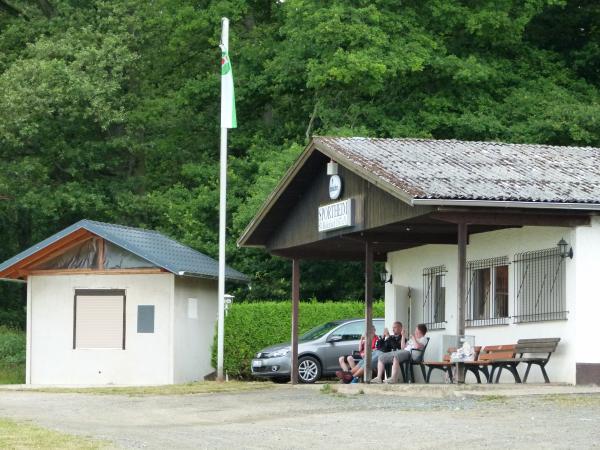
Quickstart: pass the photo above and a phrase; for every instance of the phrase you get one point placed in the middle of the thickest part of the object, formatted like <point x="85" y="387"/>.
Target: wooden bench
<point x="488" y="358"/>
<point x="446" y="366"/>
<point x="530" y="352"/>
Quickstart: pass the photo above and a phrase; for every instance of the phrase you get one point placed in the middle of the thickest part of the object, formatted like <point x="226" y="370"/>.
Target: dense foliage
<point x="12" y="356"/>
<point x="250" y="327"/>
<point x="109" y="109"/>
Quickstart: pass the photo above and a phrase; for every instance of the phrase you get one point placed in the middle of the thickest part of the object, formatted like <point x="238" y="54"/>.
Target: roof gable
<point x="152" y="246"/>
<point x="450" y="172"/>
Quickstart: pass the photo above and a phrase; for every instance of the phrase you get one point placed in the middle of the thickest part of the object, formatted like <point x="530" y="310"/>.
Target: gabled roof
<point x="463" y="170"/>
<point x="452" y="173"/>
<point x="154" y="247"/>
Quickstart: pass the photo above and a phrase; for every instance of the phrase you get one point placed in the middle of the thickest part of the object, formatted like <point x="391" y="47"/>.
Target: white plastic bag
<point x="464" y="353"/>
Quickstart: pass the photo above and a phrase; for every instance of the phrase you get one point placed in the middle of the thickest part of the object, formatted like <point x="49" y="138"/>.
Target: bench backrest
<point x="537" y="346"/>
<point x="493" y="352"/>
<point x="416" y="355"/>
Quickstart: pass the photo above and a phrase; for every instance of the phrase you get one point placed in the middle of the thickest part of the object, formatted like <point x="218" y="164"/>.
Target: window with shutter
<point x="99" y="318"/>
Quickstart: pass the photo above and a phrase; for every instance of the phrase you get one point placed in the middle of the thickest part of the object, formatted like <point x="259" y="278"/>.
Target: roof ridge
<point x="117" y="225"/>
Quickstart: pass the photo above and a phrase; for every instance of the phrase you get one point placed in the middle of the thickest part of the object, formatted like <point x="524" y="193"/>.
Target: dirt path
<point x="285" y="417"/>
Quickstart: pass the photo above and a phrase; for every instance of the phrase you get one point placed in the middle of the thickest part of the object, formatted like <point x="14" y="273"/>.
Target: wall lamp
<point x="228" y="301"/>
<point x="385" y="277"/>
<point x="562" y="246"/>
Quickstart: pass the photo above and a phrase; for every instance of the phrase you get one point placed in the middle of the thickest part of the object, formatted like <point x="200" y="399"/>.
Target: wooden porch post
<point x="368" y="309"/>
<point x="461" y="298"/>
<point x="295" y="303"/>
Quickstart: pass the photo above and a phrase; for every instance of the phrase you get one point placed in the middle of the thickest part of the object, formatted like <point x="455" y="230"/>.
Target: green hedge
<point x="250" y="327"/>
<point x="12" y="355"/>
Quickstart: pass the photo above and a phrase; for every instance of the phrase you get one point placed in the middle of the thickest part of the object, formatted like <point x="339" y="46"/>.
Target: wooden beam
<point x="511" y="218"/>
<point x="49" y="256"/>
<point x="295" y="305"/>
<point x="45" y="253"/>
<point x="100" y="243"/>
<point x="142" y="271"/>
<point x="461" y="298"/>
<point x="368" y="310"/>
<point x="410" y="238"/>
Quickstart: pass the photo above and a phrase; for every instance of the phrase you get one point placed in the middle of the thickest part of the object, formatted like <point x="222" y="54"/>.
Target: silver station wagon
<point x="319" y="351"/>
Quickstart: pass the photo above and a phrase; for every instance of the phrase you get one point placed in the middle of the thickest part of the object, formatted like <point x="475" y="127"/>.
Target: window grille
<point x="540" y="286"/>
<point x="487" y="294"/>
<point x="434" y="297"/>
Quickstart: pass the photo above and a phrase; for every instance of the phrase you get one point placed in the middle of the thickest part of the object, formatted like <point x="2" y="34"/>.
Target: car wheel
<point x="309" y="369"/>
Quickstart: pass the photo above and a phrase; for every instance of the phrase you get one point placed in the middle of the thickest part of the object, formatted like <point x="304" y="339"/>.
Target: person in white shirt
<point x="415" y="342"/>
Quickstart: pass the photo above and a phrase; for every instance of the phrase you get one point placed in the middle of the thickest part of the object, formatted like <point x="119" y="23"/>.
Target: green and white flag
<point x="228" y="119"/>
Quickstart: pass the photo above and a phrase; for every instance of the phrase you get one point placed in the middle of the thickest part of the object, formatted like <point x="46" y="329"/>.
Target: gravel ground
<point x="303" y="417"/>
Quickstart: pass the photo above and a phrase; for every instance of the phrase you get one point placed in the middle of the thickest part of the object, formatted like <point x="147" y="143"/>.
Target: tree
<point x="109" y="109"/>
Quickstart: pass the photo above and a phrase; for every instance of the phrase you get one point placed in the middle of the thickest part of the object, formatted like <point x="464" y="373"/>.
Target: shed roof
<point x="152" y="246"/>
<point x="463" y="170"/>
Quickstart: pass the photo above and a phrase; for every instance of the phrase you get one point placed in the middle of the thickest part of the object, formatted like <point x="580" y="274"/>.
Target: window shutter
<point x="99" y="321"/>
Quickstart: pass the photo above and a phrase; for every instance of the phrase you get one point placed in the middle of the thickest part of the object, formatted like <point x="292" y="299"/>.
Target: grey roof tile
<point x="152" y="246"/>
<point x="450" y="169"/>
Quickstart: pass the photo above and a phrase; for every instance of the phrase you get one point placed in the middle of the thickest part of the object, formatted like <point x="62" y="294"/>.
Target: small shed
<point x="109" y="304"/>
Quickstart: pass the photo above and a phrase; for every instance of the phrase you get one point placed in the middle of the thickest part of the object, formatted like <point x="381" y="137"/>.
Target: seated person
<point x="348" y="375"/>
<point x="397" y="357"/>
<point x="387" y="342"/>
<point x="384" y="344"/>
<point x="347" y="363"/>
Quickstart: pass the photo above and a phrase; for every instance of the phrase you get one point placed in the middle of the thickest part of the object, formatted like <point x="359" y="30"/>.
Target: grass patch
<point x="574" y="400"/>
<point x="12" y="356"/>
<point x="492" y="398"/>
<point x="17" y="436"/>
<point x="204" y="387"/>
<point x="327" y="389"/>
<point x="12" y="373"/>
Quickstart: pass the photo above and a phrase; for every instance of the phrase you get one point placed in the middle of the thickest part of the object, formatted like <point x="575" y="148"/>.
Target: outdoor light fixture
<point x="332" y="168"/>
<point x="384" y="277"/>
<point x="228" y="301"/>
<point x="562" y="246"/>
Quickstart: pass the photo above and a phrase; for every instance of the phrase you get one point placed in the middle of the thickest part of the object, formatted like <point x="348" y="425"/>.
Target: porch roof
<point x="441" y="183"/>
<point x="462" y="170"/>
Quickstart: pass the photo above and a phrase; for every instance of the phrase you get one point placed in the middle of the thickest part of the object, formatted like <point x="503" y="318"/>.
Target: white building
<point x="108" y="304"/>
<point x="461" y="226"/>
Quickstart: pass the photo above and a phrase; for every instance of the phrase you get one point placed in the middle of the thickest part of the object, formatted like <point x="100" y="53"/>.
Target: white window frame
<point x="489" y="264"/>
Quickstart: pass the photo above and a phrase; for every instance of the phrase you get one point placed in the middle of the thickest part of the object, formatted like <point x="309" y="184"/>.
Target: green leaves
<point x="109" y="110"/>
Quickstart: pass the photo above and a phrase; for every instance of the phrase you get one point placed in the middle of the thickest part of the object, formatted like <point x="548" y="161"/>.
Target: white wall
<point x="147" y="358"/>
<point x="587" y="313"/>
<point x="407" y="267"/>
<point x="194" y="337"/>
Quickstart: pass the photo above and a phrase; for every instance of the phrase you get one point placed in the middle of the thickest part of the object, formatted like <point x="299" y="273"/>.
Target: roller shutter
<point x="99" y="319"/>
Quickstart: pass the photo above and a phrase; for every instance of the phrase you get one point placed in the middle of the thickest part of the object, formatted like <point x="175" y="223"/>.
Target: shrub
<point x="12" y="346"/>
<point x="250" y="327"/>
<point x="12" y="355"/>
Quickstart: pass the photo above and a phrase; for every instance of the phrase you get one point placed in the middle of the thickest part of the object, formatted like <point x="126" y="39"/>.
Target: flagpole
<point x="222" y="219"/>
